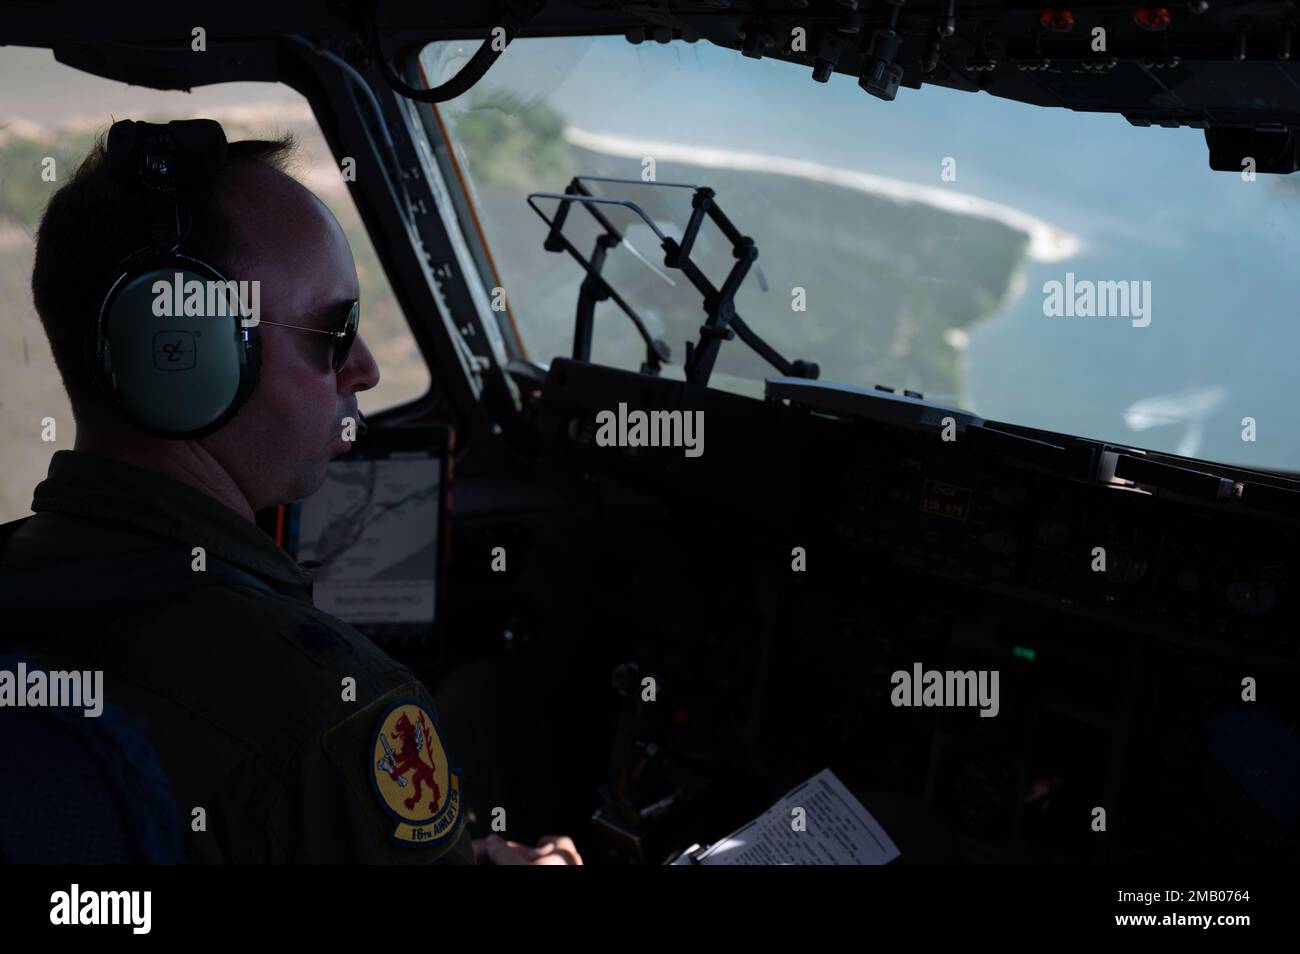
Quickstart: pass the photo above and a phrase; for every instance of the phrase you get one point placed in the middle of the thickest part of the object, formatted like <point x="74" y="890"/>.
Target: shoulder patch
<point x="390" y="751"/>
<point x="411" y="775"/>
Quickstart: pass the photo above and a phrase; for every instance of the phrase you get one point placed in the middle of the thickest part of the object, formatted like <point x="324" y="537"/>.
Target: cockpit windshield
<point x="1060" y="270"/>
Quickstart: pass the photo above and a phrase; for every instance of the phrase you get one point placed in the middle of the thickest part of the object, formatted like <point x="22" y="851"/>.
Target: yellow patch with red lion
<point x="412" y="778"/>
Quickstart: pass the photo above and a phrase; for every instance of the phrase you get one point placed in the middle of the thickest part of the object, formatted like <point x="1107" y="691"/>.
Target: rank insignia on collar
<point x="411" y="776"/>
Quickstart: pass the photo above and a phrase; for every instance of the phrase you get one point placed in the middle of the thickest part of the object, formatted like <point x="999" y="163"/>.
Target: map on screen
<point x="373" y="525"/>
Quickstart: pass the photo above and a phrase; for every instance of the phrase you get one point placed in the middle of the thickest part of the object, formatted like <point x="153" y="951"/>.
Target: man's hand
<point x="550" y="850"/>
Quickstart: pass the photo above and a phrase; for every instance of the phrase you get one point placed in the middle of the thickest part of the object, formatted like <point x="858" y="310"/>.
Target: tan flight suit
<point x="241" y="692"/>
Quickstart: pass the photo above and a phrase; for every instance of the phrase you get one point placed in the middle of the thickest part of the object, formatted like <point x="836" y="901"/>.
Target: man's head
<point x="253" y="222"/>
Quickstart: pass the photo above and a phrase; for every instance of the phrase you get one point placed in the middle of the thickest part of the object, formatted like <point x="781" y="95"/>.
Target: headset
<point x="175" y="375"/>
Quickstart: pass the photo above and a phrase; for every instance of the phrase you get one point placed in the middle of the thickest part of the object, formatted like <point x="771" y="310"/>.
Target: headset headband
<point x="175" y="375"/>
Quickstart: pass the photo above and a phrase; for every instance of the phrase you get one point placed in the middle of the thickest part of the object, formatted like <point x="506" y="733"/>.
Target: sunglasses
<point x="343" y="337"/>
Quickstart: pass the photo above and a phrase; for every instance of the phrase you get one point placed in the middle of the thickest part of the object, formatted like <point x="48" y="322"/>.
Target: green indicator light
<point x="1023" y="652"/>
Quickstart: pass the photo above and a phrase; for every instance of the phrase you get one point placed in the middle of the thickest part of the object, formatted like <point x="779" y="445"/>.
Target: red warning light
<point x="1153" y="18"/>
<point x="1058" y="21"/>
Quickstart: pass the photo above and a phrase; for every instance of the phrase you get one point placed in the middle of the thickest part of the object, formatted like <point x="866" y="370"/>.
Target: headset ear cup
<point x="177" y="360"/>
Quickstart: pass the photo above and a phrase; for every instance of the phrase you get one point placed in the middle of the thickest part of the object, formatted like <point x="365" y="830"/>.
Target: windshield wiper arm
<point x="722" y="324"/>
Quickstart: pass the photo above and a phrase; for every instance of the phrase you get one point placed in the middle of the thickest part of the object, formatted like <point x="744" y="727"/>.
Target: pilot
<point x="280" y="733"/>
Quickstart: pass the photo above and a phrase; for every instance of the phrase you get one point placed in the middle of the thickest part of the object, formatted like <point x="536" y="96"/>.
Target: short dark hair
<point x="95" y="221"/>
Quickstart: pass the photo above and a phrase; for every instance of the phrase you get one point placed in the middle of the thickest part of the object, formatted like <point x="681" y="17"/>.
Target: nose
<point x="361" y="371"/>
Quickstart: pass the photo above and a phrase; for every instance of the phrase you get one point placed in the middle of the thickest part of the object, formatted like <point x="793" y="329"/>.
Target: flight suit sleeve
<point x="380" y="788"/>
